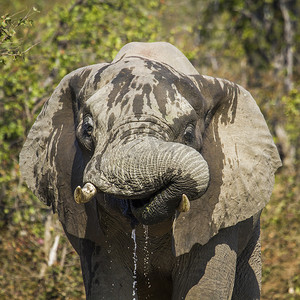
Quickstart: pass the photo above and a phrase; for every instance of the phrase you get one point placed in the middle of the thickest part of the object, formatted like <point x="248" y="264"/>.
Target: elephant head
<point x="149" y="132"/>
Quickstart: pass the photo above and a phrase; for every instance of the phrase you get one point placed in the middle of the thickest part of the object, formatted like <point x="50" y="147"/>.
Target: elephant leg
<point x="248" y="273"/>
<point x="208" y="272"/>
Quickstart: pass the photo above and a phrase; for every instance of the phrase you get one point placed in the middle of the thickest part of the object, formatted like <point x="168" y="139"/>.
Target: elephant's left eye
<point x="88" y="126"/>
<point x="189" y="134"/>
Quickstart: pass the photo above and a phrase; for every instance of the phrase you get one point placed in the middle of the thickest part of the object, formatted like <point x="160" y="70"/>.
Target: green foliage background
<point x="40" y="42"/>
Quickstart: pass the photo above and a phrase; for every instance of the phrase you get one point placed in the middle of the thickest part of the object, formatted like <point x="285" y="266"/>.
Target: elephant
<point x="158" y="175"/>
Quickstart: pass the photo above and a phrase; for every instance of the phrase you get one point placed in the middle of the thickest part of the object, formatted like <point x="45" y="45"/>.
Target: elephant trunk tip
<point x="85" y="194"/>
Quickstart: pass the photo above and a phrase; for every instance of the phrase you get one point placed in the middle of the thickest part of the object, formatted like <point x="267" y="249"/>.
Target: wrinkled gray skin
<point x="136" y="134"/>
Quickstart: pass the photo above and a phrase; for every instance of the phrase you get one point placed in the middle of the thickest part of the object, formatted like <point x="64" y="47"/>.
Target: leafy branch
<point x="10" y="42"/>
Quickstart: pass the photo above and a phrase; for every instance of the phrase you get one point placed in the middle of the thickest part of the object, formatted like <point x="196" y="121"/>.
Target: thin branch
<point x="30" y="47"/>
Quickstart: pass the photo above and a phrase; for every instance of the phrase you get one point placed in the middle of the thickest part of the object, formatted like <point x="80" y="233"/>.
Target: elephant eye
<point x="84" y="133"/>
<point x="189" y="134"/>
<point x="88" y="125"/>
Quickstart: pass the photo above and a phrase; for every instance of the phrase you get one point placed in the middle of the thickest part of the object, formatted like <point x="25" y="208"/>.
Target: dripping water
<point x="146" y="256"/>
<point x="134" y="290"/>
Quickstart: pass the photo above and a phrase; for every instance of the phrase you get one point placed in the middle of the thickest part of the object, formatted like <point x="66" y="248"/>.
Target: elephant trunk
<point x="152" y="174"/>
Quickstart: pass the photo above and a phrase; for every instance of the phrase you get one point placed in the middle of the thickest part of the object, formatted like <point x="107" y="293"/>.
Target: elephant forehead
<point x="139" y="88"/>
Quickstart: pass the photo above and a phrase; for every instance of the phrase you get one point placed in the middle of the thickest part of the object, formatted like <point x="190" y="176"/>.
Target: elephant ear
<point x="242" y="160"/>
<point x="51" y="161"/>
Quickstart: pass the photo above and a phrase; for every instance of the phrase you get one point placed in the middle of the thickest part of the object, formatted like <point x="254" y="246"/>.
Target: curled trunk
<point x="151" y="173"/>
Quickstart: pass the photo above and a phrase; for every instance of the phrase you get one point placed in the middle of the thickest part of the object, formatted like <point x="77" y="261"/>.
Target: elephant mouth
<point x="129" y="207"/>
<point x="136" y="204"/>
<point x="133" y="209"/>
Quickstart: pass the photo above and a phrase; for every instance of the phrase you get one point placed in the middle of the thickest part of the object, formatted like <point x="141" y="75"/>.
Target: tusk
<point x="85" y="194"/>
<point x="184" y="205"/>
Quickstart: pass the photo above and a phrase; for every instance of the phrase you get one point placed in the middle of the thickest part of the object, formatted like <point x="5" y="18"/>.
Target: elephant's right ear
<point x="51" y="161"/>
